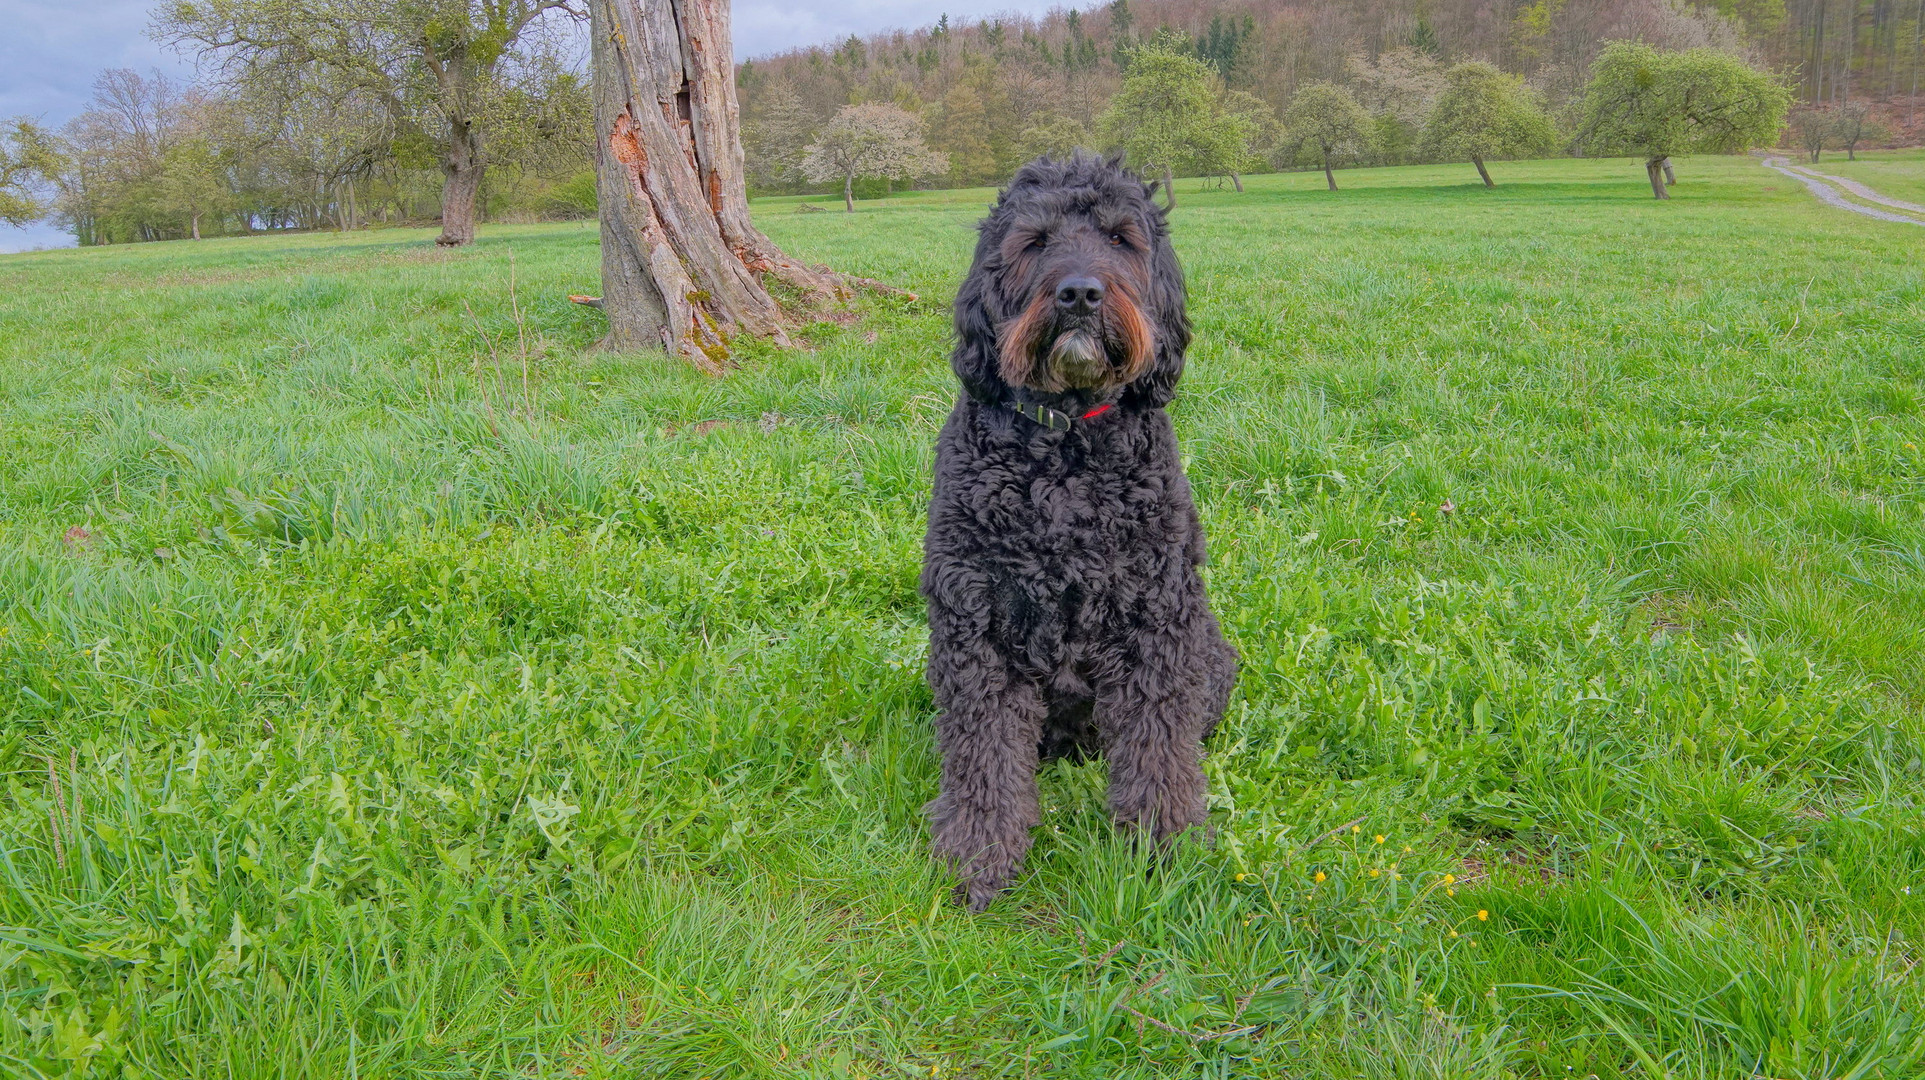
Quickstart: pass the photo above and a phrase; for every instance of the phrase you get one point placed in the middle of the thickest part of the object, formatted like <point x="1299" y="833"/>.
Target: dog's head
<point x="1074" y="293"/>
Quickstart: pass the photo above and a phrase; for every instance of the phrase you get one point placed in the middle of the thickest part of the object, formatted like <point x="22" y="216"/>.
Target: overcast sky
<point x="52" y="50"/>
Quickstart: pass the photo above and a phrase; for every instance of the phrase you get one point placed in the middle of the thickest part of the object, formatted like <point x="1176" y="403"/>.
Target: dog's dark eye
<point x="1116" y="239"/>
<point x="1039" y="242"/>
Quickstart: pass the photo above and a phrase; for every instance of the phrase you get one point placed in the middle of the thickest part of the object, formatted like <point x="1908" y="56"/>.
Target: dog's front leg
<point x="990" y="723"/>
<point x="1152" y="725"/>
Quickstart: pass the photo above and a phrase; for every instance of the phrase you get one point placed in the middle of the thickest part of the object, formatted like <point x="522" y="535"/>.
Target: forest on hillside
<point x="980" y="86"/>
<point x="308" y="115"/>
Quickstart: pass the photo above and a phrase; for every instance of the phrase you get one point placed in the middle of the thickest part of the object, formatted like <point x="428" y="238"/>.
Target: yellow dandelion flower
<point x="1450" y="892"/>
<point x="1473" y="943"/>
<point x="1450" y="879"/>
<point x="1453" y="933"/>
<point x="1407" y="849"/>
<point x="1374" y="873"/>
<point x="1379" y="838"/>
<point x="1240" y="877"/>
<point x="1356" y="828"/>
<point x="1483" y="916"/>
<point x="1320" y="876"/>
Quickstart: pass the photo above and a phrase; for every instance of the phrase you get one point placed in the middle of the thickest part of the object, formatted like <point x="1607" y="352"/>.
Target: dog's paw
<point x="978" y="895"/>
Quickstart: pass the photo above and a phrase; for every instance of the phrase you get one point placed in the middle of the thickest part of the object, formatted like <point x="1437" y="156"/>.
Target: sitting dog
<point x="1066" y="612"/>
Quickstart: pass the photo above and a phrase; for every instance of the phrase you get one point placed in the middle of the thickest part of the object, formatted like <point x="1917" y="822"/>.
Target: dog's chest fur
<point x="1078" y="538"/>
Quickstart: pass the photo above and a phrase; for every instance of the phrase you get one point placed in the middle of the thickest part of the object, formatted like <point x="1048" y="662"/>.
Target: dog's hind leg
<point x="991" y="723"/>
<point x="1219" y="678"/>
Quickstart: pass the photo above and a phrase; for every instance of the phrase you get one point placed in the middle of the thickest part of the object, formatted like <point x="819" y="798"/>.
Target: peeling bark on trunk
<point x="1670" y="177"/>
<point x="196" y="226"/>
<point x="1169" y="189"/>
<point x="461" y="170"/>
<point x="1481" y="171"/>
<point x="682" y="266"/>
<point x="1654" y="170"/>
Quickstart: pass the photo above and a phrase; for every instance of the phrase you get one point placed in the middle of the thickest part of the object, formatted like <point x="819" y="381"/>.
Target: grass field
<point x="1897" y="174"/>
<point x="390" y="687"/>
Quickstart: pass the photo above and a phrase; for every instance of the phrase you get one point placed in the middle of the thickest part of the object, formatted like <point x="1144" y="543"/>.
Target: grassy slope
<point x="426" y="724"/>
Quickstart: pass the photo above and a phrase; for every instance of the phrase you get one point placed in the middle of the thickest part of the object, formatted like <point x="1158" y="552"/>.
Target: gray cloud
<point x="53" y="51"/>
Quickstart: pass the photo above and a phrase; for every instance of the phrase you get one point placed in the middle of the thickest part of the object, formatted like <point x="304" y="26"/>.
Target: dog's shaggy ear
<point x="976" y="357"/>
<point x="1165" y="302"/>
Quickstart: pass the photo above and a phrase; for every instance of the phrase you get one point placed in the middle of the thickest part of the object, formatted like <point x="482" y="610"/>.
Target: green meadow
<point x="391" y="685"/>
<point x="1895" y="174"/>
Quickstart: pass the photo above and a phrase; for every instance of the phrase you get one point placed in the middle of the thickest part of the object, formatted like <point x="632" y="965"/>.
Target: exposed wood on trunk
<point x="1670" y="177"/>
<point x="1654" y="169"/>
<point x="683" y="267"/>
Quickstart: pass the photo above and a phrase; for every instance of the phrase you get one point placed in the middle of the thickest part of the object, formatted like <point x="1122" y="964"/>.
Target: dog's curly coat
<point x="1066" y="612"/>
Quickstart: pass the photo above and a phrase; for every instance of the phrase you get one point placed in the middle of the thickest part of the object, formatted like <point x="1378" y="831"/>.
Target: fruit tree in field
<point x="1653" y="104"/>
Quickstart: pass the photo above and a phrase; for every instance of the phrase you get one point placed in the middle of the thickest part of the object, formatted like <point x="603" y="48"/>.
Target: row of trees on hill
<point x="324" y="112"/>
<point x="316" y="112"/>
<point x="989" y="91"/>
<point x="1173" y="115"/>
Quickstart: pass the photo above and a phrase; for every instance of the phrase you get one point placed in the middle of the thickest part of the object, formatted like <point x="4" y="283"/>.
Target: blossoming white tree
<point x="880" y="141"/>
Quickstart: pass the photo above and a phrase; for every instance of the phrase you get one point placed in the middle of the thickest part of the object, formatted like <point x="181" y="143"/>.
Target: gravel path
<point x="1831" y="196"/>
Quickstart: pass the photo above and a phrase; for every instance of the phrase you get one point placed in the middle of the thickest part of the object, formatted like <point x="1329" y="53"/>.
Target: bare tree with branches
<point x="431" y="63"/>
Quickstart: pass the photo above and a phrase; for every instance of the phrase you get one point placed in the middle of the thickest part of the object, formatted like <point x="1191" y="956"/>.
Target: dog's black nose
<point x="1081" y="295"/>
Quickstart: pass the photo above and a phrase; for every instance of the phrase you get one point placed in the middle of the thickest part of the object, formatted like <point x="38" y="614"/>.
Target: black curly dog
<point x="1066" y="614"/>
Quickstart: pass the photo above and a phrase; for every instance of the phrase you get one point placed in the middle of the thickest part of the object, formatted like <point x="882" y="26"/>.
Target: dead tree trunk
<point x="682" y="266"/>
<point x="1670" y="177"/>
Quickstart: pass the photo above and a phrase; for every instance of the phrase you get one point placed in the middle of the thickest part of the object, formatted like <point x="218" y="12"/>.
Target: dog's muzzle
<point x="1079" y="359"/>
